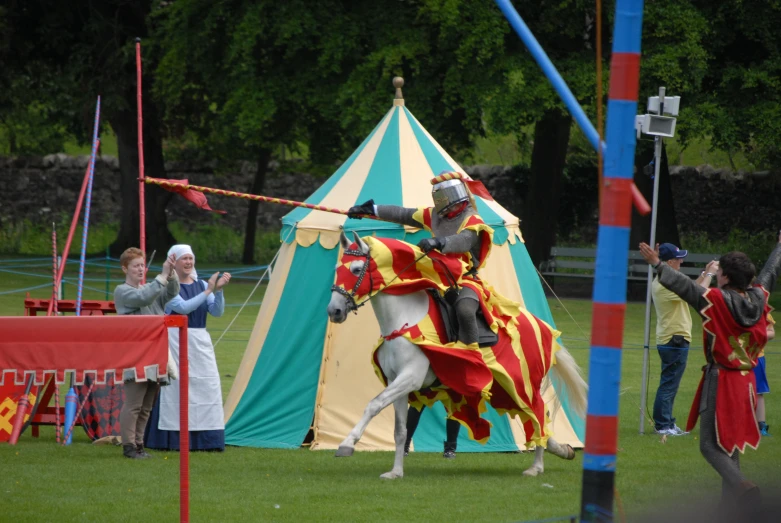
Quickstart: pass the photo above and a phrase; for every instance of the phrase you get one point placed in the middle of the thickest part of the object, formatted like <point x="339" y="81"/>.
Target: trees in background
<point x="241" y="79"/>
<point x="67" y="53"/>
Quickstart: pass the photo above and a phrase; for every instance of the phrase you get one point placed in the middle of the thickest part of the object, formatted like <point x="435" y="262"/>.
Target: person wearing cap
<point x="456" y="228"/>
<point x="673" y="336"/>
<point x="735" y="329"/>
<point x="197" y="298"/>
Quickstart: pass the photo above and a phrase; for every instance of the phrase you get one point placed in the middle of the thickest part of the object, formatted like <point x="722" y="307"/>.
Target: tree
<point x="742" y="110"/>
<point x="71" y="52"/>
<point x="675" y="35"/>
<point x="242" y="78"/>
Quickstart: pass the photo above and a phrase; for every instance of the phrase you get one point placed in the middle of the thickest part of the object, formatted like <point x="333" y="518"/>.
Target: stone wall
<point x="42" y="189"/>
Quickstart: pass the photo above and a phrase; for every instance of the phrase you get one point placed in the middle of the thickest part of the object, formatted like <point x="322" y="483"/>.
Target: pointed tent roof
<point x="394" y="166"/>
<point x="301" y="374"/>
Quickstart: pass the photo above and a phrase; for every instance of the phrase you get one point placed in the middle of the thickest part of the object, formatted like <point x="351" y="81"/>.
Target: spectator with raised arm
<point x="734" y="331"/>
<point x="673" y="336"/>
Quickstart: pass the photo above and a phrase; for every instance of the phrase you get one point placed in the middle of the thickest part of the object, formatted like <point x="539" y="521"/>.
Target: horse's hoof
<point x="392" y="475"/>
<point x="532" y="472"/>
<point x="344" y="452"/>
<point x="570" y="452"/>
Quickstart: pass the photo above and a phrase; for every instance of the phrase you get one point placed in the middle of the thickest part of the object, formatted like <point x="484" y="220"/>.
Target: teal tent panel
<point x="431" y="433"/>
<point x="537" y="304"/>
<point x="434" y="158"/>
<point x="383" y="181"/>
<point x="277" y="406"/>
<point x="490" y="217"/>
<point x="500" y="235"/>
<point x="300" y="213"/>
<point x="533" y="296"/>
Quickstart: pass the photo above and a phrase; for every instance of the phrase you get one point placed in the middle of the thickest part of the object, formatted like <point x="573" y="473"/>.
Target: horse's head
<point x="353" y="279"/>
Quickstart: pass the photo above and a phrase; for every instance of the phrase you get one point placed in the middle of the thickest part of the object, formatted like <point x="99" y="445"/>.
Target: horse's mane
<point x="403" y="267"/>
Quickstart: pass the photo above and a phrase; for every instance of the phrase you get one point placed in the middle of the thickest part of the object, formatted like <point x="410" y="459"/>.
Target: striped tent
<point x="304" y="380"/>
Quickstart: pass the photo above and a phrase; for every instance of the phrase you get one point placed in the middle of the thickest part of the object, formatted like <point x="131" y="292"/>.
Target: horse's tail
<point x="567" y="380"/>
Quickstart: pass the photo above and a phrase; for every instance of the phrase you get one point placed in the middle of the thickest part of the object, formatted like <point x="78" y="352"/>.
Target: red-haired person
<point x="734" y="323"/>
<point x="133" y="298"/>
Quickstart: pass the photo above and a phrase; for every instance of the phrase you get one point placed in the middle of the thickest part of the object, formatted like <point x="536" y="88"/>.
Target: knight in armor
<point x="456" y="228"/>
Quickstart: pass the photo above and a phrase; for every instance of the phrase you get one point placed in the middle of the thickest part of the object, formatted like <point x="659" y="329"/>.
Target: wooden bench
<point x="578" y="262"/>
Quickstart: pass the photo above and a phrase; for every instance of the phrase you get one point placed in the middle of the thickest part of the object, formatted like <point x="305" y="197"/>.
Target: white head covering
<point x="180" y="250"/>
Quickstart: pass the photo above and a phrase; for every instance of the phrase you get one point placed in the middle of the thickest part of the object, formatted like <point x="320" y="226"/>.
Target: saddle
<point x="485" y="336"/>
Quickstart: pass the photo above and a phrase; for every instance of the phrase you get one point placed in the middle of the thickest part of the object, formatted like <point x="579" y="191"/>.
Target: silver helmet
<point x="447" y="194"/>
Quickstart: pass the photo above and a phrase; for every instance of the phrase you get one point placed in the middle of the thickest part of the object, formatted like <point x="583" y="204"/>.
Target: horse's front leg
<point x="398" y="389"/>
<point x="401" y="408"/>
<point x="563" y="451"/>
<point x="538" y="467"/>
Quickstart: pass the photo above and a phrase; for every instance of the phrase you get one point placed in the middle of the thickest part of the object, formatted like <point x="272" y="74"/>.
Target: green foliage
<point x="742" y="89"/>
<point x="220" y="244"/>
<point x="756" y="246"/>
<point x="35" y="238"/>
<point x="213" y="243"/>
<point x="29" y="123"/>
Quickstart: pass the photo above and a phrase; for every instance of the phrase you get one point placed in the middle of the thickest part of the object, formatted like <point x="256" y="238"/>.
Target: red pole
<point x="141" y="206"/>
<point x="184" y="426"/>
<point x="21" y="410"/>
<point x="54" y="269"/>
<point x="74" y="222"/>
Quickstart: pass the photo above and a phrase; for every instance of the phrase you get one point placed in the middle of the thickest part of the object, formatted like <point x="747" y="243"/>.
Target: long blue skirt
<point x="155" y="438"/>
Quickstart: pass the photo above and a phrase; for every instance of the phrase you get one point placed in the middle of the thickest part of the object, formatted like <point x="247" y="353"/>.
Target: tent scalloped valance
<point x="329" y="238"/>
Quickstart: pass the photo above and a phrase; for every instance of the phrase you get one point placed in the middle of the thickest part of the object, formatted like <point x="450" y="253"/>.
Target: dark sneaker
<point x="141" y="452"/>
<point x="450" y="451"/>
<point x="129" y="451"/>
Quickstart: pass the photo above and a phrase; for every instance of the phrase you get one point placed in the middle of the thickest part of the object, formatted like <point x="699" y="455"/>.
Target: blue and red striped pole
<point x="615" y="214"/>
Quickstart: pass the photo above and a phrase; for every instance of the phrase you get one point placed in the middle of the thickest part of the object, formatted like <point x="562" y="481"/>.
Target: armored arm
<point x="397" y="214"/>
<point x="769" y="273"/>
<point x="461" y="242"/>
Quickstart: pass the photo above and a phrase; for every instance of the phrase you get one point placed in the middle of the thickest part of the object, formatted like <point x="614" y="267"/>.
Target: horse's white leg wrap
<point x="406" y="382"/>
<point x="538" y="467"/>
<point x="400" y="437"/>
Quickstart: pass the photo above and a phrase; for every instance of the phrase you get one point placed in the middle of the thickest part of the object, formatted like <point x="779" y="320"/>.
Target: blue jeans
<point x="673" y="355"/>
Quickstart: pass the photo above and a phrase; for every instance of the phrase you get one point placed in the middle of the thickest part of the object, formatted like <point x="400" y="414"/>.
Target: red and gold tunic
<point x="733" y="350"/>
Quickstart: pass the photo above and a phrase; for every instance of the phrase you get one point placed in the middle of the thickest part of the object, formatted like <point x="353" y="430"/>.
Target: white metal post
<point x="652" y="243"/>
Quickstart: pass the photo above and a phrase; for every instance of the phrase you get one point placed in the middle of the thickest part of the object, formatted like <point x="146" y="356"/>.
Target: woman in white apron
<point x="196" y="299"/>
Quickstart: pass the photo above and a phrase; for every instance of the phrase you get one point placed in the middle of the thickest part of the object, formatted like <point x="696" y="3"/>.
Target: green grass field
<point x="43" y="482"/>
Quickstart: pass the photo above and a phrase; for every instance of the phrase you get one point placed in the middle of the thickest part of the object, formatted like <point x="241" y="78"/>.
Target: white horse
<point x="407" y="368"/>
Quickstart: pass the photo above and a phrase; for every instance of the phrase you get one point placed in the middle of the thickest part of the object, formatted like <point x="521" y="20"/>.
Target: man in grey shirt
<point x="150" y="299"/>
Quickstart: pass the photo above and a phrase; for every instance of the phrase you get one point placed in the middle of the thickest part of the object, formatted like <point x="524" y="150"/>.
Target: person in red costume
<point x="734" y="324"/>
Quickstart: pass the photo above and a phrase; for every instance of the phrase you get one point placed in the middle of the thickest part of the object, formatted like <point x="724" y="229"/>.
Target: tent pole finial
<point x="398" y="83"/>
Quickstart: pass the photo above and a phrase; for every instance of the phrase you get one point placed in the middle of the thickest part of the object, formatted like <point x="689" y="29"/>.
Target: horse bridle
<point x="352" y="305"/>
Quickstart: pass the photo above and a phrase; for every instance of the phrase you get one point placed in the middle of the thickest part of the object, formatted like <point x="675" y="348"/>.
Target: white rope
<point x="268" y="268"/>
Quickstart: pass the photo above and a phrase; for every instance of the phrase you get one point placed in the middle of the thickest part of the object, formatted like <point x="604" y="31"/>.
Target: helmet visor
<point x="447" y="194"/>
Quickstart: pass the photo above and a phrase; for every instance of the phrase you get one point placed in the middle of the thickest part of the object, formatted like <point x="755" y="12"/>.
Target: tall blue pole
<point x="85" y="229"/>
<point x="550" y="72"/>
<point x="609" y="305"/>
